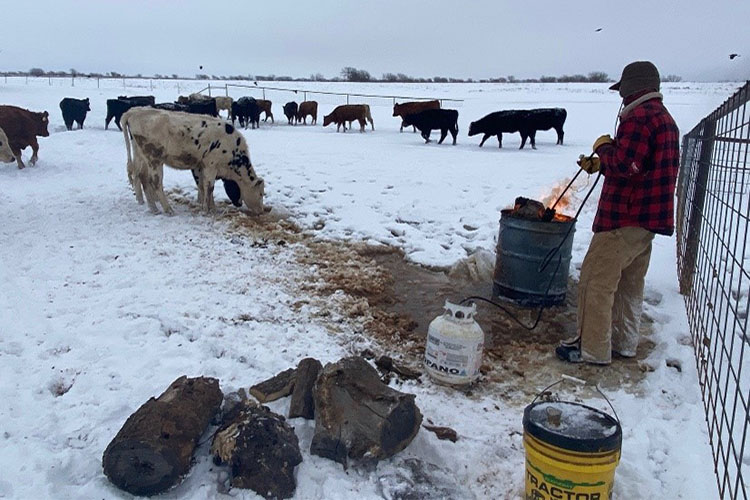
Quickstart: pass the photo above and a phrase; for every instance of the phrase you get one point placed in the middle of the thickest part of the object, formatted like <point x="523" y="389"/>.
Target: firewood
<point x="388" y="364"/>
<point x="442" y="432"/>
<point x="276" y="387"/>
<point x="260" y="448"/>
<point x="154" y="447"/>
<point x="302" y="404"/>
<point x="358" y="416"/>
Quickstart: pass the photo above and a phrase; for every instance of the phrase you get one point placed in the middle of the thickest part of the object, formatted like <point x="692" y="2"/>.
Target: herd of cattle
<point x="190" y="134"/>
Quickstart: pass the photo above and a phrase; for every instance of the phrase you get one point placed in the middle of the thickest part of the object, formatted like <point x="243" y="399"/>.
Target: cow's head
<point x="88" y="105"/>
<point x="407" y="120"/>
<point x="41" y="125"/>
<point x="473" y="129"/>
<point x="327" y="120"/>
<point x="396" y="109"/>
<point x="6" y="155"/>
<point x="252" y="195"/>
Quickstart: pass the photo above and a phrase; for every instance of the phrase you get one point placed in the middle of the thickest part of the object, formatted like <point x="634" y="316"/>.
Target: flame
<point x="555" y="192"/>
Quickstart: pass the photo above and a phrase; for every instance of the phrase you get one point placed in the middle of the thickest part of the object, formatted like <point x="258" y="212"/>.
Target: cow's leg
<point x="402" y="127"/>
<point x="443" y="134"/>
<point x="149" y="190"/>
<point x="35" y="150"/>
<point x="486" y="136"/>
<point x="362" y="125"/>
<point x="560" y="135"/>
<point x="117" y="122"/>
<point x="532" y="136"/>
<point x="523" y="140"/>
<point x="107" y="120"/>
<point x="500" y="140"/>
<point x="157" y="183"/>
<point x="207" y="179"/>
<point x="426" y="136"/>
<point x="413" y="129"/>
<point x="19" y="160"/>
<point x="454" y="133"/>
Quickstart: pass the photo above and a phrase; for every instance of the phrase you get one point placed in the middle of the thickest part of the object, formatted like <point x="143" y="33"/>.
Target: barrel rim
<point x="601" y="444"/>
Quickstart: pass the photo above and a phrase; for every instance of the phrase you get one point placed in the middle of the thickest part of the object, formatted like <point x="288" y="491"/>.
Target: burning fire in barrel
<point x="529" y="233"/>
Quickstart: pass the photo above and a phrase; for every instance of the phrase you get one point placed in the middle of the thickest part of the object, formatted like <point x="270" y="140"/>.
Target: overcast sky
<point x="466" y="39"/>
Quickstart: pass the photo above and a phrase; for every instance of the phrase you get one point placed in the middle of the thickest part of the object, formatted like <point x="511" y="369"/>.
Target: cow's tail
<point x="126" y="133"/>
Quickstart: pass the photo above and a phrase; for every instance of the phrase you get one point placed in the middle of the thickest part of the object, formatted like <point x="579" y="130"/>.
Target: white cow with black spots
<point x="6" y="154"/>
<point x="211" y="147"/>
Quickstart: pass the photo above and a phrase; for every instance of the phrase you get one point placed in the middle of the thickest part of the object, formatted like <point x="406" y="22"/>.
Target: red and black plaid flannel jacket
<point x="640" y="171"/>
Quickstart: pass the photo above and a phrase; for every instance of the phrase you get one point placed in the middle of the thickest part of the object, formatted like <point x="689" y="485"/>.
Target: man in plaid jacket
<point x="637" y="201"/>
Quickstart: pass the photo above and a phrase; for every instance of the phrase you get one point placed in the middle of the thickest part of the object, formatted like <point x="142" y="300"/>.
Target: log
<point x="387" y="364"/>
<point x="276" y="387"/>
<point x="358" y="416"/>
<point x="154" y="447"/>
<point x="443" y="433"/>
<point x="302" y="404"/>
<point x="260" y="448"/>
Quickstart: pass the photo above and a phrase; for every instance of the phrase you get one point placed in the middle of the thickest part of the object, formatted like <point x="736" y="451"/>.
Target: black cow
<point x="230" y="187"/>
<point x="74" y="110"/>
<point x="545" y="119"/>
<point x="205" y="107"/>
<point x="527" y="122"/>
<point x="444" y="119"/>
<point x="290" y="111"/>
<point x="116" y="107"/>
<point x="171" y="106"/>
<point x="247" y="110"/>
<point x="500" y="122"/>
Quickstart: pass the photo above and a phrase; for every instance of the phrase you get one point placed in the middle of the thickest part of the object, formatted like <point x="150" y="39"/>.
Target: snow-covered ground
<point x="104" y="304"/>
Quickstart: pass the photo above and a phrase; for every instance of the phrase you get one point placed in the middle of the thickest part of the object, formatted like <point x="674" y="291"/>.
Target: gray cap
<point x="637" y="76"/>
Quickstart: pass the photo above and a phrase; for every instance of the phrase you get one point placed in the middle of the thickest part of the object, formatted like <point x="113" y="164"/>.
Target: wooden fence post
<point x="696" y="206"/>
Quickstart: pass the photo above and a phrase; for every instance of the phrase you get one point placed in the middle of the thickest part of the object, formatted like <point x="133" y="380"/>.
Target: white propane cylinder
<point x="455" y="341"/>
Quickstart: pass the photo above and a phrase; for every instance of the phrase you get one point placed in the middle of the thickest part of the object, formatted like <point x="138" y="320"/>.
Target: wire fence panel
<point x="713" y="258"/>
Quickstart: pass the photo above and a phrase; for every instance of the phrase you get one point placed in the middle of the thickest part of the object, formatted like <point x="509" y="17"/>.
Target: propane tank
<point x="453" y="353"/>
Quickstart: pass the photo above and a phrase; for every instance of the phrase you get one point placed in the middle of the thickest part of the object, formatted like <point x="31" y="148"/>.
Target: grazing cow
<point x="500" y="122"/>
<point x="171" y="106"/>
<point x="21" y="127"/>
<point x="247" y="110"/>
<point x="290" y="111"/>
<point x="308" y="108"/>
<point x="204" y="107"/>
<point x="444" y="119"/>
<point x="6" y="154"/>
<point x="265" y="106"/>
<point x="224" y="102"/>
<point x="210" y="146"/>
<point x="545" y="119"/>
<point x="410" y="108"/>
<point x="116" y="107"/>
<point x="74" y="110"/>
<point x="349" y="113"/>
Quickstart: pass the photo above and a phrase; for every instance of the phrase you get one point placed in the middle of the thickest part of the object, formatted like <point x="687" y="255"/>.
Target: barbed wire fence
<point x="713" y="258"/>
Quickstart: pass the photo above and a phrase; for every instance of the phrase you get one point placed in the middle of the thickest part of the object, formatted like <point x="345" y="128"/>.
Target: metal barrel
<point x="522" y="245"/>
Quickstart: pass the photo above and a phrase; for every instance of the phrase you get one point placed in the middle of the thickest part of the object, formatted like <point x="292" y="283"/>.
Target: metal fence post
<point x="209" y="90"/>
<point x="696" y="206"/>
<point x="226" y="90"/>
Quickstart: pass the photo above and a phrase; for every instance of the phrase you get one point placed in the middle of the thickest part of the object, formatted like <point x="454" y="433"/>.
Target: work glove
<point x="601" y="141"/>
<point x="590" y="164"/>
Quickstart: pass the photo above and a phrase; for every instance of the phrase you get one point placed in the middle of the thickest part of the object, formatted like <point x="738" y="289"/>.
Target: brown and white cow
<point x="210" y="147"/>
<point x="21" y="126"/>
<point x="224" y="102"/>
<point x="6" y="155"/>
<point x="349" y="113"/>
<point x="413" y="107"/>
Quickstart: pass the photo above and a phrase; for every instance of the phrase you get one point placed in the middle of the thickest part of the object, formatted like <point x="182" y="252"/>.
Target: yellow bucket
<point x="572" y="451"/>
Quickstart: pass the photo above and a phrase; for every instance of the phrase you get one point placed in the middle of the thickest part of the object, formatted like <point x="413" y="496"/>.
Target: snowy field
<point x="104" y="304"/>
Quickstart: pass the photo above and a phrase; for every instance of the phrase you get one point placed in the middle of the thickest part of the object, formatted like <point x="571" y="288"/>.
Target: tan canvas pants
<point x="610" y="293"/>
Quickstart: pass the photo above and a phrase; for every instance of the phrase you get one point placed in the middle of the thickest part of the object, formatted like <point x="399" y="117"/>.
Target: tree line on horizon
<point x="347" y="74"/>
